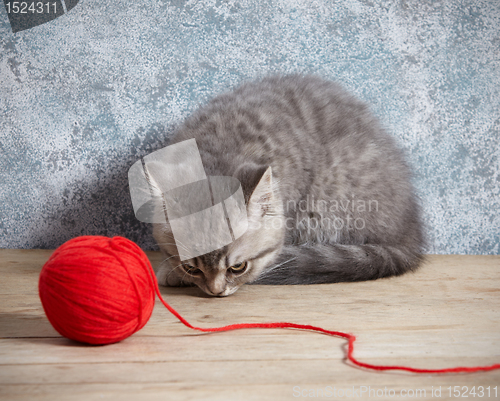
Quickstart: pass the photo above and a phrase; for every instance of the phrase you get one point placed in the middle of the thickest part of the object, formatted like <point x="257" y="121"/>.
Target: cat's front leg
<point x="171" y="276"/>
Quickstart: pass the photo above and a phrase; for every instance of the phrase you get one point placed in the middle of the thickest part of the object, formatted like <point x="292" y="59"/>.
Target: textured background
<point x="84" y="96"/>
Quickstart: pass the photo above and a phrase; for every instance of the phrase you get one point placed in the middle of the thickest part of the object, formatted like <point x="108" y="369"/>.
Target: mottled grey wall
<point x="85" y="95"/>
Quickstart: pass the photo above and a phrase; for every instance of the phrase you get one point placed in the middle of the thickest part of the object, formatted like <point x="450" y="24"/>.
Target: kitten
<point x="328" y="188"/>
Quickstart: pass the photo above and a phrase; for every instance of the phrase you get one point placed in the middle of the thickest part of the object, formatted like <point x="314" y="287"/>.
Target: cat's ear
<point x="249" y="176"/>
<point x="257" y="185"/>
<point x="262" y="197"/>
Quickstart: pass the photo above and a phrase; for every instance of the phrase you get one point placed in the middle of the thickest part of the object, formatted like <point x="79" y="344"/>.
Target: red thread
<point x="100" y="290"/>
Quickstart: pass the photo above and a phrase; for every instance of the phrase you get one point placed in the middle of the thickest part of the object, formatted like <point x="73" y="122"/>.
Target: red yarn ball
<point x="97" y="290"/>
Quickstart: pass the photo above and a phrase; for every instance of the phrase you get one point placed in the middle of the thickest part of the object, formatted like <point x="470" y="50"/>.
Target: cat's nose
<point x="217" y="286"/>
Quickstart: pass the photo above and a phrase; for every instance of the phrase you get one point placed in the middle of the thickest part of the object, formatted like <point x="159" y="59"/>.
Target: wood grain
<point x="445" y="314"/>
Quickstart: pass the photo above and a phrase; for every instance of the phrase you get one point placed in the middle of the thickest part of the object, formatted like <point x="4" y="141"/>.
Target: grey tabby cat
<point x="329" y="189"/>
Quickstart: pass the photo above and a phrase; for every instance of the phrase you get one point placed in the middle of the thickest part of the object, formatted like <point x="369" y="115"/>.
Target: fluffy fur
<point x="327" y="190"/>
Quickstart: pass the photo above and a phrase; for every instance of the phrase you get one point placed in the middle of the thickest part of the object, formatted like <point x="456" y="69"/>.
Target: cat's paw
<point x="167" y="277"/>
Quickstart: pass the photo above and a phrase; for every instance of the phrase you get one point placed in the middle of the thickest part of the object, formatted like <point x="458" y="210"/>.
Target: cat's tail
<point x="319" y="263"/>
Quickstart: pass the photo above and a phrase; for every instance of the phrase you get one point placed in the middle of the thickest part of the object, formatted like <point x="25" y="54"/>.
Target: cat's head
<point x="223" y="271"/>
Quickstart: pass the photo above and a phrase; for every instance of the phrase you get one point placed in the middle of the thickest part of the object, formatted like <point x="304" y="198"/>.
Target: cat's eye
<point x="193" y="271"/>
<point x="238" y="268"/>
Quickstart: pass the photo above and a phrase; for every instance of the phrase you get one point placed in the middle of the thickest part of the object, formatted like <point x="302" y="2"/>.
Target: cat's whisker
<point x="171" y="271"/>
<point x="170" y="257"/>
<point x="277" y="266"/>
<point x="182" y="278"/>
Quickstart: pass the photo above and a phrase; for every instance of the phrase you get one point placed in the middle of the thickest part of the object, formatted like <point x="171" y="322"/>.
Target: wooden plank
<point x="446" y="314"/>
<point x="266" y="371"/>
<point x="23" y="266"/>
<point x="347" y="308"/>
<point x="252" y="345"/>
<point x="229" y="389"/>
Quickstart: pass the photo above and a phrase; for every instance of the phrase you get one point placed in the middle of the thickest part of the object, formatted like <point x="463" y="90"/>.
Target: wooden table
<point x="446" y="314"/>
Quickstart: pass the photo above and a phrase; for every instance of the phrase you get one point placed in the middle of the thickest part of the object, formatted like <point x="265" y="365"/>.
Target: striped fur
<point x="341" y="189"/>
